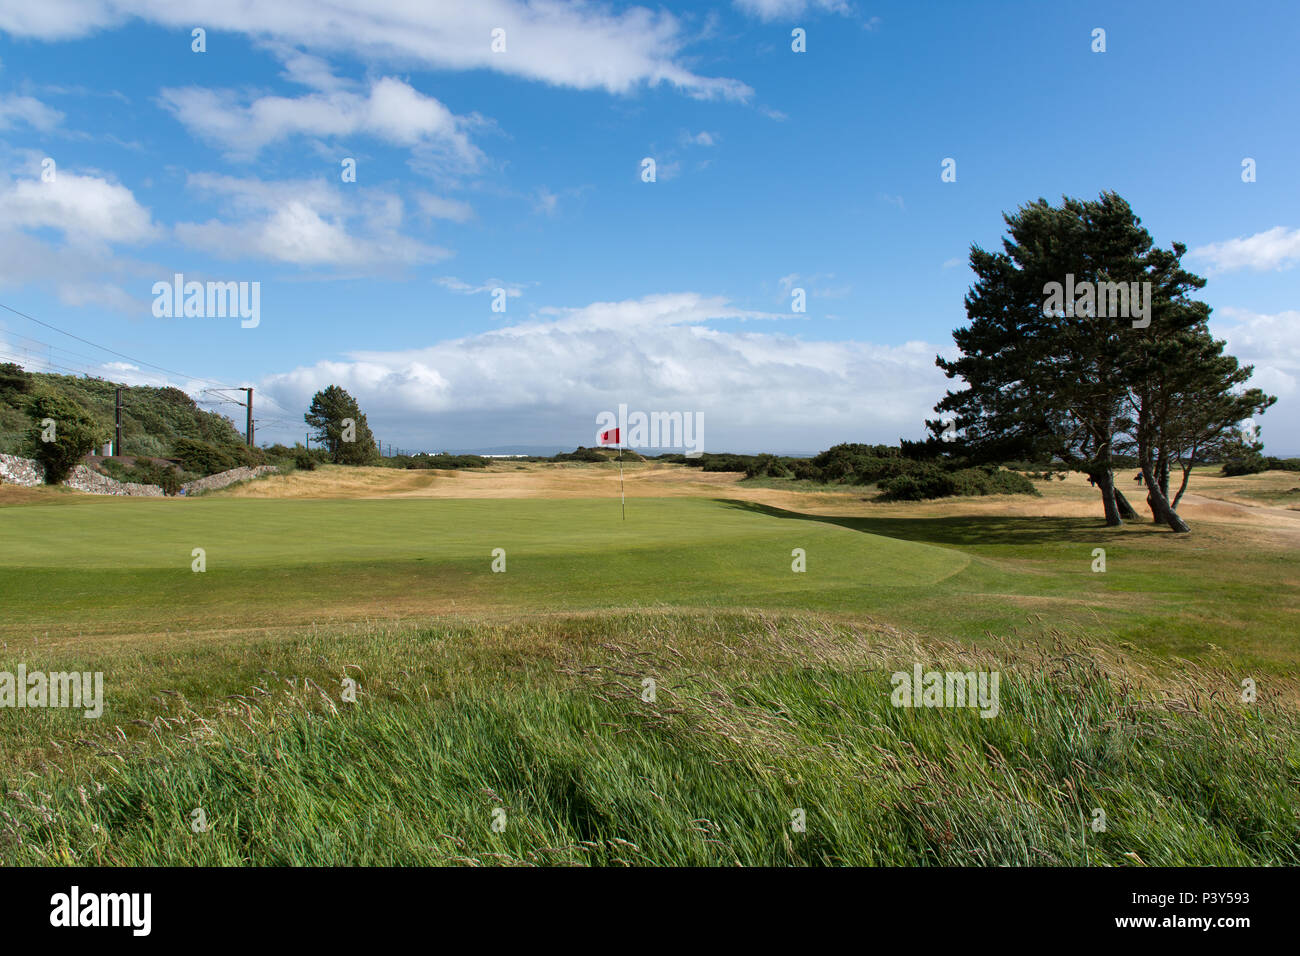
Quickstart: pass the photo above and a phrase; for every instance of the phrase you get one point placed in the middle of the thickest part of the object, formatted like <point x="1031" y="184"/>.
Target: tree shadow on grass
<point x="959" y="530"/>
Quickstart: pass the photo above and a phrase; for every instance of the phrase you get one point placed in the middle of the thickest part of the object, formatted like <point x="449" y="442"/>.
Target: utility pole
<point x="117" y="431"/>
<point x="249" y="430"/>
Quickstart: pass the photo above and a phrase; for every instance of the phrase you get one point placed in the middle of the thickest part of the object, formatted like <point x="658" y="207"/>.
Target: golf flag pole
<point x="615" y="437"/>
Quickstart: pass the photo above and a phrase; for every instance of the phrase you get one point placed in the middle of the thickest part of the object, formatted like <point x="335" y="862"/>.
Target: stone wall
<point x="223" y="478"/>
<point x="92" y="482"/>
<point x="26" y="471"/>
<point x="21" y="471"/>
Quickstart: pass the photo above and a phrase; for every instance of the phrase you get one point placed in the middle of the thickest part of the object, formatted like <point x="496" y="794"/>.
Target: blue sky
<point x="520" y="170"/>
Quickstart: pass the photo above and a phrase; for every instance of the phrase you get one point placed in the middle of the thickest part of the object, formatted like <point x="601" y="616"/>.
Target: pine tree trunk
<point x="1125" y="509"/>
<point x="1106" y="482"/>
<point x="1181" y="488"/>
<point x="1159" y="503"/>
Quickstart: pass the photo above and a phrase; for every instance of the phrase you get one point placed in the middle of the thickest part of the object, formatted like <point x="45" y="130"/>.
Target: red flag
<point x="610" y="437"/>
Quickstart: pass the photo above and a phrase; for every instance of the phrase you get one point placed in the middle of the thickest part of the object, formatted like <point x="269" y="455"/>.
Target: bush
<point x="918" y="487"/>
<point x="581" y="454"/>
<point x="931" y="481"/>
<point x="203" y="458"/>
<point x="1244" y="465"/>
<point x="71" y="432"/>
<point x="145" y="472"/>
<point x="302" y="459"/>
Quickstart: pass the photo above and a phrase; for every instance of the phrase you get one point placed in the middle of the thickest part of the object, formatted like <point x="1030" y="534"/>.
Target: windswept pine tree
<point x="341" y="427"/>
<point x="1083" y="340"/>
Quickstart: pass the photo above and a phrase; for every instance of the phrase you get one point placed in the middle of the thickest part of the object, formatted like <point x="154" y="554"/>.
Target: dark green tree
<point x="341" y="427"/>
<point x="1051" y="377"/>
<point x="62" y="433"/>
<point x="1188" y="405"/>
<point x="1047" y="383"/>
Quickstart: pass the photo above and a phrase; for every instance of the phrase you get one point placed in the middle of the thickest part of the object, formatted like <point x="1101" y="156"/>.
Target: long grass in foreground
<point x="540" y="727"/>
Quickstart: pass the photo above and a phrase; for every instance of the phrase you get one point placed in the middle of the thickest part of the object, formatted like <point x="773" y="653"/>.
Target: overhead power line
<point x="104" y="348"/>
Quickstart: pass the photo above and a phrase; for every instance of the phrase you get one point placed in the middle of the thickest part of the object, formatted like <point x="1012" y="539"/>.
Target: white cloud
<point x="84" y="209"/>
<point x="390" y="110"/>
<point x="459" y="286"/>
<point x="438" y="207"/>
<point x="305" y="223"/>
<point x="783" y="9"/>
<point x="24" y="109"/>
<point x="815" y="285"/>
<point x="545" y="380"/>
<point x="1277" y="248"/>
<point x="546" y="202"/>
<point x="580" y="45"/>
<point x="1271" y="343"/>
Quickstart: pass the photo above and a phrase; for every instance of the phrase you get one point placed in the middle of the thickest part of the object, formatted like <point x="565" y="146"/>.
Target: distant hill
<point x="153" y="419"/>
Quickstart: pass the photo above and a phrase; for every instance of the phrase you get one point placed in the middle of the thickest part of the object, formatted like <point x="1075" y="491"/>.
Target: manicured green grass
<point x="101" y="566"/>
<point x="543" y="725"/>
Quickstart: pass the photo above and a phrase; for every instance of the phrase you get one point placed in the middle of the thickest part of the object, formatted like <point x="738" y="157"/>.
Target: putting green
<point x="110" y="562"/>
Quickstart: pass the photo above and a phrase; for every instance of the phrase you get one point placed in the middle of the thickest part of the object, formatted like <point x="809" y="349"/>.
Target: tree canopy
<point x="1084" y="339"/>
<point x="341" y="428"/>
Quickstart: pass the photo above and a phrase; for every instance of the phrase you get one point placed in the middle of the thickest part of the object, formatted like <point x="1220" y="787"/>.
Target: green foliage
<point x="581" y="453"/>
<point x="14" y="381"/>
<point x="441" y="460"/>
<point x="203" y="458"/>
<point x="1242" y="457"/>
<point x="74" y="433"/>
<point x="1245" y="461"/>
<point x="153" y="419"/>
<point x="146" y="472"/>
<point x="931" y="481"/>
<point x="341" y="427"/>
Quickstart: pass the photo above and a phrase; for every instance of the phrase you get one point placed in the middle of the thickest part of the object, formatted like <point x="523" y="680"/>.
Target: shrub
<point x="931" y="481"/>
<point x="581" y="454"/>
<point x="72" y="433"/>
<point x="201" y="457"/>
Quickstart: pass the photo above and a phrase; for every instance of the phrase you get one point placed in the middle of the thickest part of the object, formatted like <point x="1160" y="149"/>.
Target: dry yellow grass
<point x="1210" y="497"/>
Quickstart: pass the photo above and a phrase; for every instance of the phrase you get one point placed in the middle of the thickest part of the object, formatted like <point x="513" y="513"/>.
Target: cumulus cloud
<point x="1271" y="343"/>
<point x="305" y="223"/>
<point x="580" y="45"/>
<point x="16" y="109"/>
<point x="83" y="208"/>
<point x="767" y="10"/>
<point x="1277" y="248"/>
<point x="544" y="380"/>
<point x="390" y="110"/>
